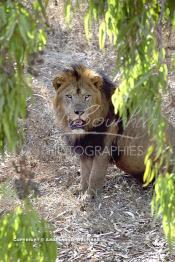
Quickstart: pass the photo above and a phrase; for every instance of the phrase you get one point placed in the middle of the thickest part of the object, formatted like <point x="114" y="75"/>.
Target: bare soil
<point x="117" y="226"/>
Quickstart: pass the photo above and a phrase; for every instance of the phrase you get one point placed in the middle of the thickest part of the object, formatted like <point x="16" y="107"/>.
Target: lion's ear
<point x="58" y="81"/>
<point x="97" y="81"/>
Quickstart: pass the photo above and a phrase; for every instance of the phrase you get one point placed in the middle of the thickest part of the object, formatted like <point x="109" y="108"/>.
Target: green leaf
<point x="102" y="34"/>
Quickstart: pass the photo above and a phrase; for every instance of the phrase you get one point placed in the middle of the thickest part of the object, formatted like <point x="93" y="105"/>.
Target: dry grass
<point x="115" y="227"/>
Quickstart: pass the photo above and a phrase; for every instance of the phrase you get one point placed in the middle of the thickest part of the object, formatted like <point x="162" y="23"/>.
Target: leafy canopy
<point x="20" y="35"/>
<point x="24" y="236"/>
<point x="22" y="32"/>
<point x="135" y="29"/>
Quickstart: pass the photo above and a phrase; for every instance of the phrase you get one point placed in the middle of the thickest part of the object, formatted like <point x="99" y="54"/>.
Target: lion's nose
<point x="78" y="112"/>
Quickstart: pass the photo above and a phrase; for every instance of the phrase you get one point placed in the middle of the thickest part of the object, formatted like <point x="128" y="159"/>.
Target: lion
<point x="94" y="132"/>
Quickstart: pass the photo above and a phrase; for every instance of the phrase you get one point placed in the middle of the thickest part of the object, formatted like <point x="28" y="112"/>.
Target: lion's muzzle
<point x="77" y="124"/>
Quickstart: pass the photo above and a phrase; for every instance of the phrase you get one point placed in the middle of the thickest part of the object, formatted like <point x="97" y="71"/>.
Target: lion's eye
<point x="69" y="96"/>
<point x="87" y="97"/>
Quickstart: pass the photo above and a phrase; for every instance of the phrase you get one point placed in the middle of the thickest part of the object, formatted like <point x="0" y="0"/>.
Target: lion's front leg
<point x="85" y="170"/>
<point x="98" y="173"/>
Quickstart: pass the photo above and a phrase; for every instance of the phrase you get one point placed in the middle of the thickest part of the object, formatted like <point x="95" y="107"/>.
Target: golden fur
<point x="78" y="91"/>
<point x="91" y="81"/>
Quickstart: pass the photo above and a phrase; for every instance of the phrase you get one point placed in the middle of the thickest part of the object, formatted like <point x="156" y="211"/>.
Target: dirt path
<point x="116" y="227"/>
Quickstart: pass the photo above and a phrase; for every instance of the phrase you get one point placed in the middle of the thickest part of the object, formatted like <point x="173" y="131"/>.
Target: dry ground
<point x="116" y="227"/>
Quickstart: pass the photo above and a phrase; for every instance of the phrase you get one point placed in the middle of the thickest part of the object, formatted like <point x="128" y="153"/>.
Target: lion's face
<point x="79" y="101"/>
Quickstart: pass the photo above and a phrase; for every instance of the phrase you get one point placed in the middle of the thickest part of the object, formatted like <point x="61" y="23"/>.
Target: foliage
<point x="24" y="236"/>
<point x="22" y="32"/>
<point x="135" y="29"/>
<point x="20" y="35"/>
